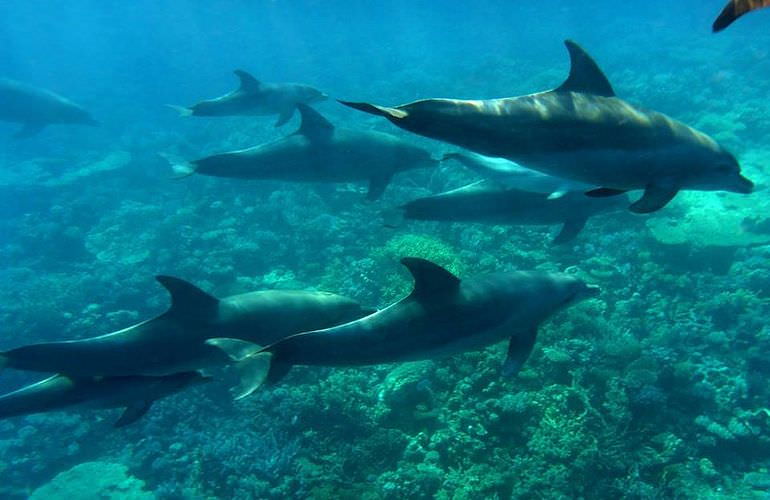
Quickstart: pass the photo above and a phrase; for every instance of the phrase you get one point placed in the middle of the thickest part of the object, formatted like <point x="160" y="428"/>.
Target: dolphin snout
<point x="743" y="185"/>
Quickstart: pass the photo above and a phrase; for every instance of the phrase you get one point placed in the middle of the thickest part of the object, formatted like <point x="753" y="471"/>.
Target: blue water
<point x="655" y="390"/>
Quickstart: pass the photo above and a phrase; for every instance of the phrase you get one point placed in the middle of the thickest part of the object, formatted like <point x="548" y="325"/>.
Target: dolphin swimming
<point x="580" y="131"/>
<point x="34" y="108"/>
<point x="442" y="316"/>
<point x="253" y="98"/>
<point x="135" y="394"/>
<point x="174" y="341"/>
<point x="318" y="152"/>
<point x="735" y="9"/>
<point x="514" y="175"/>
<point x="487" y="201"/>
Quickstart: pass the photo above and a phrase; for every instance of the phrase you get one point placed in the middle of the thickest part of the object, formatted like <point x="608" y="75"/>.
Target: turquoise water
<point x="655" y="389"/>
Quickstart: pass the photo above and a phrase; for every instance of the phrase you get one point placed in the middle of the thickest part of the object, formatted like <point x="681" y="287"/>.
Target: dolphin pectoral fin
<point x="585" y="76"/>
<point x="248" y="82"/>
<point x="187" y="300"/>
<point x="28" y="130"/>
<point x="603" y="192"/>
<point x="519" y="348"/>
<point x="430" y="279"/>
<point x="183" y="111"/>
<point x="284" y="117"/>
<point x="254" y="371"/>
<point x="655" y="197"/>
<point x="133" y="413"/>
<point x="557" y="194"/>
<point x="377" y="185"/>
<point x="236" y="349"/>
<point x="570" y="230"/>
<point x="179" y="166"/>
<point x="373" y="109"/>
<point x="314" y="126"/>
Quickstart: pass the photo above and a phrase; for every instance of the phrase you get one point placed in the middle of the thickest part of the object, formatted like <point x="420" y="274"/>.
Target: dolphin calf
<point x="442" y="316"/>
<point x="580" y="131"/>
<point x="135" y="394"/>
<point x="318" y="152"/>
<point x="174" y="341"/>
<point x="485" y="201"/>
<point x="256" y="98"/>
<point x="34" y="108"/>
<point x="735" y="9"/>
<point x="516" y="176"/>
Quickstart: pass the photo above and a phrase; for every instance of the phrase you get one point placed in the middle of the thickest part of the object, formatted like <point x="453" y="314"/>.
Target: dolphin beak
<point x="743" y="185"/>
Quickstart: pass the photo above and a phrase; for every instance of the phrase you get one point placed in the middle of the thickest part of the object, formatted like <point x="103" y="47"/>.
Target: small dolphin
<point x="174" y="341"/>
<point x="441" y="317"/>
<point x="135" y="394"/>
<point x="735" y="9"/>
<point x="580" y="131"/>
<point x="485" y="201"/>
<point x="516" y="176"/>
<point x="318" y="152"/>
<point x="35" y="108"/>
<point x="256" y="98"/>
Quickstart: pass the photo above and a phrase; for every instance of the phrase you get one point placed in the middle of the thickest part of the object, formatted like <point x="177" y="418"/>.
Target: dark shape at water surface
<point x="442" y="316"/>
<point x="735" y="9"/>
<point x="580" y="131"/>
<point x="135" y="394"/>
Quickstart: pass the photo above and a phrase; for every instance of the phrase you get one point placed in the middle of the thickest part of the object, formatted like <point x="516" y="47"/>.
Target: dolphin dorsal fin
<point x="187" y="299"/>
<point x="248" y="82"/>
<point x="314" y="126"/>
<point x="584" y="74"/>
<point x="430" y="279"/>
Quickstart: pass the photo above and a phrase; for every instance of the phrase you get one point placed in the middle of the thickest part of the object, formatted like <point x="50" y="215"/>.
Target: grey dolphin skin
<point x="580" y="131"/>
<point x="253" y="97"/>
<point x="318" y="152"/>
<point x="486" y="201"/>
<point x="514" y="175"/>
<point x="441" y="317"/>
<point x="135" y="394"/>
<point x="735" y="9"/>
<point x="34" y="108"/>
<point x="174" y="341"/>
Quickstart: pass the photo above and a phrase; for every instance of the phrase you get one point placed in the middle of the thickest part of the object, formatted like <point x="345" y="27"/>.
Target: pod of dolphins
<point x="551" y="158"/>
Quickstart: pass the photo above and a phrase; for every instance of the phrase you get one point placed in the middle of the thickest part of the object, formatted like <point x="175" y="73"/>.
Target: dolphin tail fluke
<point x="373" y="109"/>
<point x="183" y="111"/>
<point x="253" y="366"/>
<point x="181" y="168"/>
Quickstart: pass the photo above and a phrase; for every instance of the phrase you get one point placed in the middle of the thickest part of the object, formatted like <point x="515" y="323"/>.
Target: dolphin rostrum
<point x="735" y="9"/>
<point x="487" y="201"/>
<point x="134" y="393"/>
<point x="318" y="152"/>
<point x="442" y="316"/>
<point x="253" y="97"/>
<point x="174" y="341"/>
<point x="34" y="108"/>
<point x="580" y="131"/>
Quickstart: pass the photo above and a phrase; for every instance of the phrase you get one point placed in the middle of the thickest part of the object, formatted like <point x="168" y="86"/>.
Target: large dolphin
<point x="134" y="393"/>
<point x="34" y="108"/>
<point x="256" y="98"/>
<point x="514" y="175"/>
<point x="580" y="131"/>
<point x="486" y="201"/>
<point x="174" y="341"/>
<point x="318" y="152"/>
<point x="735" y="9"/>
<point x="441" y="317"/>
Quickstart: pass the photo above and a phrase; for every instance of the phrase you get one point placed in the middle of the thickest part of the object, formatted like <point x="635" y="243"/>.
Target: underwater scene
<point x="416" y="249"/>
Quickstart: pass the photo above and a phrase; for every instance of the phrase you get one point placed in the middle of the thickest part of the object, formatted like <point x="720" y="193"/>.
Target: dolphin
<point x="317" y="152"/>
<point x="442" y="316"/>
<point x="256" y="98"/>
<point x="485" y="201"/>
<point x="580" y="131"/>
<point x="134" y="393"/>
<point x="174" y="341"/>
<point x="34" y="108"/>
<point x="735" y="9"/>
<point x="516" y="176"/>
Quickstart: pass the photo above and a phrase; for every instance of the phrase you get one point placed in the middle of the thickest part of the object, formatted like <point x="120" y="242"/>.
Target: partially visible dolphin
<point x="256" y="98"/>
<point x="318" y="152"/>
<point x="34" y="108"/>
<point x="735" y="9"/>
<point x="580" y="131"/>
<point x="441" y="317"/>
<point x="486" y="201"/>
<point x="135" y="394"/>
<point x="514" y="175"/>
<point x="174" y="341"/>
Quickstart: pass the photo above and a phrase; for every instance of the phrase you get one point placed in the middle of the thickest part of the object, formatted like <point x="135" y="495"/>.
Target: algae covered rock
<point x="94" y="480"/>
